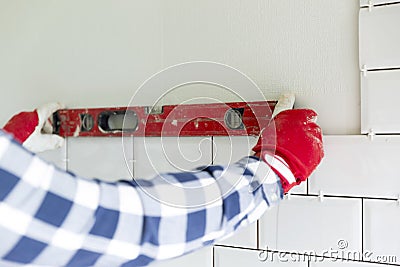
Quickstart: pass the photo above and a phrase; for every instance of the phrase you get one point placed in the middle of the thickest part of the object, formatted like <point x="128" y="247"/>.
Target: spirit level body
<point x="215" y="119"/>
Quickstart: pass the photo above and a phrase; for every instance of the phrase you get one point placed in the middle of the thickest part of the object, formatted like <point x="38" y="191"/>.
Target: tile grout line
<point x="66" y="154"/>
<point x="237" y="247"/>
<point x="213" y="256"/>
<point x="383" y="4"/>
<point x="212" y="150"/>
<point x="133" y="158"/>
<point x="212" y="163"/>
<point x="345" y="196"/>
<point x="258" y="234"/>
<point x="362" y="228"/>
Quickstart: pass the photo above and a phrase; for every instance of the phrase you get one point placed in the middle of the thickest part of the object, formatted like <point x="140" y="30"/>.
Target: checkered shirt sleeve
<point x="49" y="217"/>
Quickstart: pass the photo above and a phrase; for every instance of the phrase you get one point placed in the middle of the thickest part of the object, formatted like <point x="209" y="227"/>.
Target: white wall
<point x="84" y="53"/>
<point x="97" y="53"/>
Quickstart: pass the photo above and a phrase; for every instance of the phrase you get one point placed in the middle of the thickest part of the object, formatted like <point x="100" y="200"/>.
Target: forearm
<point x="202" y="207"/>
<point x="88" y="221"/>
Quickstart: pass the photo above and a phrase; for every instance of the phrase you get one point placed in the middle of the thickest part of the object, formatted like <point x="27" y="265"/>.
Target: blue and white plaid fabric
<point x="49" y="217"/>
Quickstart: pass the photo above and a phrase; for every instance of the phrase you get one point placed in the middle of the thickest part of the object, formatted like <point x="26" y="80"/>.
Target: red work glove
<point x="297" y="149"/>
<point x="33" y="130"/>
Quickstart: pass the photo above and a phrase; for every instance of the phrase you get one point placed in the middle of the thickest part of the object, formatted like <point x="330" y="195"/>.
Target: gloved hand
<point x="33" y="130"/>
<point x="295" y="150"/>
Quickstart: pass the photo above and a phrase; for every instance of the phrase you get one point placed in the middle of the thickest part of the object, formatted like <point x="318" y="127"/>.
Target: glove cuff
<point x="281" y="168"/>
<point x="22" y="125"/>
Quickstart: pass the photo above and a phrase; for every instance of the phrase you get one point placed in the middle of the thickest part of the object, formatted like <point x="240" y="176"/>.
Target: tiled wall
<point x="380" y="66"/>
<point x="350" y="204"/>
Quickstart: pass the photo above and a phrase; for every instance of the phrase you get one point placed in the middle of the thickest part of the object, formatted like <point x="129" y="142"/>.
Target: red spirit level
<point x="217" y="119"/>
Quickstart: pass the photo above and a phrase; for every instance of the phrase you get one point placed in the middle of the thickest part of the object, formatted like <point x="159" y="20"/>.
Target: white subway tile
<point x="380" y="91"/>
<point x="246" y="238"/>
<point x="107" y="158"/>
<point x="381" y="230"/>
<point x="379" y="38"/>
<point x="229" y="149"/>
<point x="200" y="258"/>
<point x="228" y="257"/>
<point x="308" y="224"/>
<point x="357" y="166"/>
<point x="56" y="156"/>
<point x="154" y="155"/>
